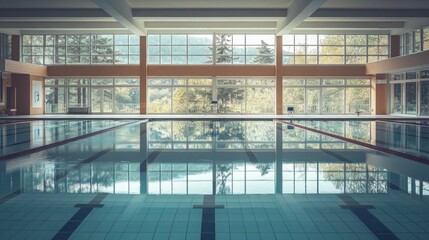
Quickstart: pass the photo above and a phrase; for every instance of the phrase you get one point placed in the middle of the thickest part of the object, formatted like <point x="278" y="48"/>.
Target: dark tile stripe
<point x="366" y="217"/>
<point x="79" y="165"/>
<point x="85" y="209"/>
<point x="10" y="196"/>
<point x="376" y="226"/>
<point x="57" y="144"/>
<point x="208" y="223"/>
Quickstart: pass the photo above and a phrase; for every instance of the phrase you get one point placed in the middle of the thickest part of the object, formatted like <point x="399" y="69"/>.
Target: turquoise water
<point x="94" y="179"/>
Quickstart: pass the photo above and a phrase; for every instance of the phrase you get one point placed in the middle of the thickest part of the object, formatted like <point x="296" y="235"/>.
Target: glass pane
<point x="127" y="81"/>
<point x="397" y="98"/>
<point x="230" y="100"/>
<point x="333" y="100"/>
<point x="357" y="99"/>
<point x="107" y="100"/>
<point x="199" y="99"/>
<point x="102" y="81"/>
<point x="313" y="99"/>
<point x="55" y="100"/>
<point x="78" y="96"/>
<point x="260" y="100"/>
<point x="411" y="98"/>
<point x="159" y="100"/>
<point x="294" y="97"/>
<point x="96" y="100"/>
<point x="424" y="98"/>
<point x="127" y="99"/>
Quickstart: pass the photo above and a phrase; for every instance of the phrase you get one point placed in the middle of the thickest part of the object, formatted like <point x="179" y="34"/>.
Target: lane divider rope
<point x="362" y="144"/>
<point x="57" y="144"/>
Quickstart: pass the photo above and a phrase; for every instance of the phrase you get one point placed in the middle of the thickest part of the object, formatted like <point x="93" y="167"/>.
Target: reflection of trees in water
<point x="264" y="168"/>
<point x="223" y="172"/>
<point x="358" y="178"/>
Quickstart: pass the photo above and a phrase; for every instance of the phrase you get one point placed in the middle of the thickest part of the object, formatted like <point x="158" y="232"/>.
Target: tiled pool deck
<point x="40" y="216"/>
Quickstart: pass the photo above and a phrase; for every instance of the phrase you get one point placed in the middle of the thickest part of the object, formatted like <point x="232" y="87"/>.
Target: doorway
<point x="101" y="100"/>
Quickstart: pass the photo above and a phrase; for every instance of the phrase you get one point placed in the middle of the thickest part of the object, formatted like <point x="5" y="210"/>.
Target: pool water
<point x="139" y="179"/>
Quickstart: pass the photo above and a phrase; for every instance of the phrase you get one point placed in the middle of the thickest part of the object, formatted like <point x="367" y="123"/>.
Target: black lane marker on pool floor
<point x="366" y="217"/>
<point x="208" y="223"/>
<point x="10" y="196"/>
<point x="362" y="144"/>
<point x="85" y="209"/>
<point x="57" y="144"/>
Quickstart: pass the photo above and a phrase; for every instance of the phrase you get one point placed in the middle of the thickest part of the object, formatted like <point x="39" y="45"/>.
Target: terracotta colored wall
<point x="399" y="63"/>
<point x="381" y="99"/>
<point x="324" y="70"/>
<point x="23" y="85"/>
<point x="23" y="93"/>
<point x="279" y="75"/>
<point x="15" y="53"/>
<point x="210" y="70"/>
<point x="395" y="45"/>
<point x="143" y="76"/>
<point x="25" y="68"/>
<point x="94" y="70"/>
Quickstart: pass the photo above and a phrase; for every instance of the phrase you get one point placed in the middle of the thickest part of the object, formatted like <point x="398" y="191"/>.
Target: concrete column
<point x="16" y="48"/>
<point x="395" y="45"/>
<point x="279" y="158"/>
<point x="143" y="76"/>
<point x="279" y="75"/>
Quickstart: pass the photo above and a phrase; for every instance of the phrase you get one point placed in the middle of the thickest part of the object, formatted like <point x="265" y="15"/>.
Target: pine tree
<point x="265" y="54"/>
<point x="223" y="49"/>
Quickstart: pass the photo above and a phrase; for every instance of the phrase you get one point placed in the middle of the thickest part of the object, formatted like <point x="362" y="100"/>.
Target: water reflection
<point x="219" y="157"/>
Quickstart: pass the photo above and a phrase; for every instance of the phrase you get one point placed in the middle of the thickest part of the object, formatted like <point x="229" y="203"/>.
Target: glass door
<point x="101" y="100"/>
<point x="424" y="98"/>
<point x="78" y="96"/>
<point x="312" y="100"/>
<point x="411" y="98"/>
<point x="397" y="98"/>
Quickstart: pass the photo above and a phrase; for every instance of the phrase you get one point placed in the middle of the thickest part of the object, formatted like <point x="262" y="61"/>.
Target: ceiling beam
<point x="298" y="11"/>
<point x="350" y="25"/>
<point x="210" y="25"/>
<point x="122" y="12"/>
<point x="209" y="12"/>
<point x="61" y="25"/>
<point x="365" y="13"/>
<point x="52" y="13"/>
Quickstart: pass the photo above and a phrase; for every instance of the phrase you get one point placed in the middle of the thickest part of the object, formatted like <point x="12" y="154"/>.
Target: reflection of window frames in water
<point x="424" y="98"/>
<point x="397" y="98"/>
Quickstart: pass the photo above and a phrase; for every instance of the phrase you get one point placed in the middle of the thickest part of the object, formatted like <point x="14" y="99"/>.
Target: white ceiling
<point x="256" y="16"/>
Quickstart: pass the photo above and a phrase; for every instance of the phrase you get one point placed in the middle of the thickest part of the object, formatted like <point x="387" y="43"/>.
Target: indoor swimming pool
<point x="214" y="179"/>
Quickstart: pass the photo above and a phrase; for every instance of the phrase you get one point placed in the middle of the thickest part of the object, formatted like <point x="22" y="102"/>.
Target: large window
<point x="409" y="92"/>
<point x="415" y="41"/>
<point x="207" y="95"/>
<point x="327" y="95"/>
<point x="334" y="49"/>
<point x="81" y="49"/>
<point x="101" y="95"/>
<point x="211" y="49"/>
